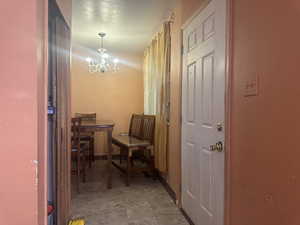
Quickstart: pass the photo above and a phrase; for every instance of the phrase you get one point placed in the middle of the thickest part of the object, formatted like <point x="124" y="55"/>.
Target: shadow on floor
<point x="145" y="202"/>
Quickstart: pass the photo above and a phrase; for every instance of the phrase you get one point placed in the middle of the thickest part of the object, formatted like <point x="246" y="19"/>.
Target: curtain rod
<point x="171" y="18"/>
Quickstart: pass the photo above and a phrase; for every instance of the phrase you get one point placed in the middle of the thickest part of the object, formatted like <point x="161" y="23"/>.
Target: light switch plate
<point x="251" y="86"/>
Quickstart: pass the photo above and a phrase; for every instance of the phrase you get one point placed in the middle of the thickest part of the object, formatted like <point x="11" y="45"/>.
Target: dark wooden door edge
<point x="173" y="196"/>
<point x="186" y="216"/>
<point x="167" y="187"/>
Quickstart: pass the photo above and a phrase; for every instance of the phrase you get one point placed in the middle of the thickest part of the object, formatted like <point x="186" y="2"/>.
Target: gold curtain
<point x="156" y="78"/>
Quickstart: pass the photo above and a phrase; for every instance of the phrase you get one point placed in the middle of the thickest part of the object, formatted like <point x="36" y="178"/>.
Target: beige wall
<point x="113" y="96"/>
<point x="190" y="7"/>
<point x="265" y="156"/>
<point x="66" y="9"/>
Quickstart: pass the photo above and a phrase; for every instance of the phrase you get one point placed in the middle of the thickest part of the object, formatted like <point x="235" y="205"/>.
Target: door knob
<point x="213" y="148"/>
<point x="219" y="146"/>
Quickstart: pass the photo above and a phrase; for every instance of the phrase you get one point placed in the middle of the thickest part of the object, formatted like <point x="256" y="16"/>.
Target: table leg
<point x="93" y="148"/>
<point x="109" y="159"/>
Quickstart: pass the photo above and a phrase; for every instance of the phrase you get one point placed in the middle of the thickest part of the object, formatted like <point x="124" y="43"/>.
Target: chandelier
<point x="104" y="62"/>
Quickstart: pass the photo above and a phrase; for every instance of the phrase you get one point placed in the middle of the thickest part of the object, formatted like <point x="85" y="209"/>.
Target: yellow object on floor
<point x="77" y="222"/>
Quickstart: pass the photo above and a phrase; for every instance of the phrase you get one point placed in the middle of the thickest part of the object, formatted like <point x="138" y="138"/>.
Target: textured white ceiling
<point x="129" y="24"/>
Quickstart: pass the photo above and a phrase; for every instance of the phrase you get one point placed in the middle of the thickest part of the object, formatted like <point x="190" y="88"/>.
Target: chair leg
<point x="122" y="154"/>
<point x="131" y="161"/>
<point x="90" y="156"/>
<point x="128" y="168"/>
<point x="83" y="167"/>
<point x="78" y="184"/>
<point x="78" y="173"/>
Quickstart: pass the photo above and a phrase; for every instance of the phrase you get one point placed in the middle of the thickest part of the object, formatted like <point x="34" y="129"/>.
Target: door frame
<point x="228" y="100"/>
<point x="62" y="85"/>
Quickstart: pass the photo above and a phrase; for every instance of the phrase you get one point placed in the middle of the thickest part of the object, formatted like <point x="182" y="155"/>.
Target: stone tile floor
<point x="145" y="202"/>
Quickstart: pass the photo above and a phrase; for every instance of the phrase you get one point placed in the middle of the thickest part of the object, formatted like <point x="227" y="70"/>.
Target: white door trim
<point x="228" y="100"/>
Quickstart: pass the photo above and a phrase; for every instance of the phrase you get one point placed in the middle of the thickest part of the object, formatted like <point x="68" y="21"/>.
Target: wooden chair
<point x="140" y="139"/>
<point x="86" y="116"/>
<point x="79" y="152"/>
<point x="88" y="137"/>
<point x="135" y="130"/>
<point x="136" y="126"/>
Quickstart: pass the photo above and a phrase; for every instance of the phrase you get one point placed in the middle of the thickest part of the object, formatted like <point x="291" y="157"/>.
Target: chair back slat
<point x="142" y="127"/>
<point x="136" y="123"/>
<point x="86" y="116"/>
<point x="148" y="128"/>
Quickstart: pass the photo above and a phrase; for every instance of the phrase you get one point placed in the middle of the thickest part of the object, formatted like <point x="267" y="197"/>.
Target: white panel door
<point x="203" y="113"/>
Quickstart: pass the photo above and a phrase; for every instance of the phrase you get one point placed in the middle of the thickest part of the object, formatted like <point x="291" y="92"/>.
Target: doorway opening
<point x="107" y="121"/>
<point x="91" y="109"/>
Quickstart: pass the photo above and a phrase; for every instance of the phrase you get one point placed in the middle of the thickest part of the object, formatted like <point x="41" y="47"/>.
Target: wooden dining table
<point x="102" y="126"/>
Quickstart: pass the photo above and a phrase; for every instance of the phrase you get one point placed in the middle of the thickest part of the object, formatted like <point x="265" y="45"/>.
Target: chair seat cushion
<point x="129" y="142"/>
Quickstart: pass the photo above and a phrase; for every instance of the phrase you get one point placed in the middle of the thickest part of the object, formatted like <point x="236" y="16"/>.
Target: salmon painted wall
<point x="113" y="96"/>
<point x="42" y="94"/>
<point x="189" y="7"/>
<point x="265" y="156"/>
<point x="22" y="115"/>
<point x="183" y="11"/>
